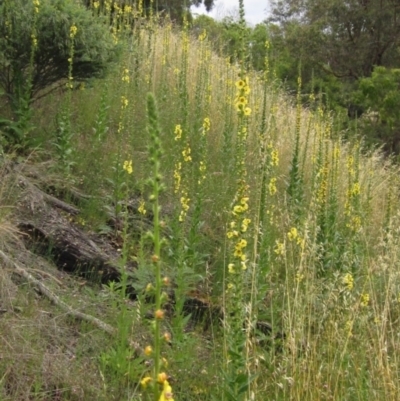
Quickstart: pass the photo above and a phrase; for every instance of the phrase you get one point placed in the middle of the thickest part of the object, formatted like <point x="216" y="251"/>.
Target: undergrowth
<point x="229" y="194"/>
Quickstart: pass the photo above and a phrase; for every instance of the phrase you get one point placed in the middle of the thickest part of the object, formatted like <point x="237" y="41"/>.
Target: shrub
<point x="35" y="52"/>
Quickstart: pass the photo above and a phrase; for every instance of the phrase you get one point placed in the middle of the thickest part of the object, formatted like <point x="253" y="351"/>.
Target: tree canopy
<point x="346" y="38"/>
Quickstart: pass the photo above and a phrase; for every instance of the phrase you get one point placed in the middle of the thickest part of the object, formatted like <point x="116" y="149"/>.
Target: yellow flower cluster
<point x="279" y="248"/>
<point x="348" y="281"/>
<point x="72" y="31"/>
<point x="185" y="200"/>
<point x="36" y="4"/>
<point x="294" y="236"/>
<point x="274" y="157"/>
<point x="186" y="154"/>
<point x="202" y="169"/>
<point x="125" y="76"/>
<point x="245" y="225"/>
<point x="272" y="186"/>
<point x="177" y="176"/>
<point x="96" y="4"/>
<point x="241" y="207"/>
<point x="356" y="190"/>
<point x="166" y="394"/>
<point x="242" y="93"/>
<point x="238" y="253"/>
<point x="364" y="300"/>
<point x="141" y="208"/>
<point x="124" y="102"/>
<point x="206" y="125"/>
<point x="128" y="166"/>
<point x="178" y="132"/>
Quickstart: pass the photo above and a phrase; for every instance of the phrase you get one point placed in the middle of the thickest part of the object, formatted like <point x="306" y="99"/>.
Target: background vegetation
<point x="226" y="192"/>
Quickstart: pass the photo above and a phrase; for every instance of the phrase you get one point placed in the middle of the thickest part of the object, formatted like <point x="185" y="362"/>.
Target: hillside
<point x="227" y="237"/>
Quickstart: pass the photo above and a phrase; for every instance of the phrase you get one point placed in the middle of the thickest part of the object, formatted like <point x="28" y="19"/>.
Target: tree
<point x="175" y="9"/>
<point x="346" y="38"/>
<point x="380" y="96"/>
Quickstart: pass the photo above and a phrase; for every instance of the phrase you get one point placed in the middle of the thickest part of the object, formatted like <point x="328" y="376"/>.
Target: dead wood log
<point x="49" y="228"/>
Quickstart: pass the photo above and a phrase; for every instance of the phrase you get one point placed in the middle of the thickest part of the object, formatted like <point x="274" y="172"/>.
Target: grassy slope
<point x="332" y="287"/>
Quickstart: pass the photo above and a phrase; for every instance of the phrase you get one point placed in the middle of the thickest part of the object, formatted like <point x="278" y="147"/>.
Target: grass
<point x="321" y="244"/>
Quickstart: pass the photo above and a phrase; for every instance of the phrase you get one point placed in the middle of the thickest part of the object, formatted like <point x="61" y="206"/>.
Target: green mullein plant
<point x="353" y="207"/>
<point x="195" y="256"/>
<point x="119" y="179"/>
<point x="295" y="189"/>
<point x="64" y="132"/>
<point x="121" y="360"/>
<point x="236" y="378"/>
<point x="184" y="273"/>
<point x="157" y="379"/>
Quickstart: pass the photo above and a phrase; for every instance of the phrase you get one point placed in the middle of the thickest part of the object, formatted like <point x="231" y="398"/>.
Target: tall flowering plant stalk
<point x="158" y="378"/>
<point x="236" y="377"/>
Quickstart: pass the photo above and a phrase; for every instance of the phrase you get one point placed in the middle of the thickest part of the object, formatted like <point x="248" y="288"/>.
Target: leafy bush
<point x="47" y="24"/>
<point x="380" y="95"/>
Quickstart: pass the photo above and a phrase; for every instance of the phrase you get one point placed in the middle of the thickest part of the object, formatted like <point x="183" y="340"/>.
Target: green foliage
<point x="380" y="95"/>
<point x="24" y="65"/>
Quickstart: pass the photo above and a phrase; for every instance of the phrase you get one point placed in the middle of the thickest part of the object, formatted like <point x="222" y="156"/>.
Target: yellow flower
<point x="206" y="124"/>
<point x="241" y="100"/>
<point x="272" y="186"/>
<point x="274" y="157"/>
<point x="178" y="132"/>
<point x="72" y="31"/>
<point x="124" y="102"/>
<point x="145" y="381"/>
<point x="364" y="300"/>
<point x="141" y="208"/>
<point x="238" y="253"/>
<point x="128" y="166"/>
<point x="186" y="154"/>
<point x="293" y="234"/>
<point x="148" y="350"/>
<point x="125" y="76"/>
<point x="247" y="111"/>
<point x="348" y="280"/>
<point x="279" y="248"/>
<point x="245" y="225"/>
<point x="231" y="268"/>
<point x="238" y="209"/>
<point x="242" y="243"/>
<point x="231" y="234"/>
<point x="162" y="377"/>
<point x="240" y="84"/>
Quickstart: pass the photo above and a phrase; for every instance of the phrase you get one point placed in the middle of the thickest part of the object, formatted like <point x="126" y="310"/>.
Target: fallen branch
<point x="54" y="298"/>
